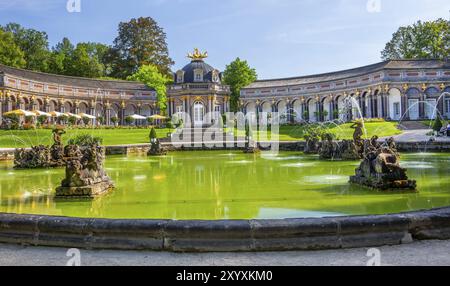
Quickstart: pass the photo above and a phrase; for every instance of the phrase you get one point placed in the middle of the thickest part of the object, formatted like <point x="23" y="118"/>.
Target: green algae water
<point x="227" y="185"/>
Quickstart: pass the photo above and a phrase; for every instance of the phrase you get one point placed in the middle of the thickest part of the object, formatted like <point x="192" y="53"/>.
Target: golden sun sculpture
<point x="197" y="55"/>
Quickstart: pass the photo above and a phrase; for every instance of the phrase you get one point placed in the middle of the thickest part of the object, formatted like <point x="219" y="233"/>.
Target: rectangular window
<point x="447" y="106"/>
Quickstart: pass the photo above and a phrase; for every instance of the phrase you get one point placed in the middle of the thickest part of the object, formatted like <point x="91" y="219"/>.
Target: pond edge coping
<point x="225" y="235"/>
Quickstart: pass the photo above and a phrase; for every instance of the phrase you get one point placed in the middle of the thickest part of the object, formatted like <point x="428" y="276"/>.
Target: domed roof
<point x="198" y="63"/>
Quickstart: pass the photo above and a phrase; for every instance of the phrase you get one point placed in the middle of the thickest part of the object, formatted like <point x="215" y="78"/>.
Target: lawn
<point x="20" y="139"/>
<point x="344" y="131"/>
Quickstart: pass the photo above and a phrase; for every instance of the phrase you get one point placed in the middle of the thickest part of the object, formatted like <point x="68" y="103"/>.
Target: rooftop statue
<point x="197" y="55"/>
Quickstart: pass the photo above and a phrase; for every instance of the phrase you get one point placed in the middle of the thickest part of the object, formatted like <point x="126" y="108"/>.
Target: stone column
<point x="440" y="105"/>
<point x="209" y="109"/>
<point x="422" y="105"/>
<point x="61" y="107"/>
<point x="331" y="104"/>
<point x="122" y="114"/>
<point x="368" y="113"/>
<point x="9" y="106"/>
<point x="108" y="113"/>
<point x="404" y="104"/>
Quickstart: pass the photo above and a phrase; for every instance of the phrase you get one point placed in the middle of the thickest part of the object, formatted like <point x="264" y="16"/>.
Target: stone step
<point x="412" y="125"/>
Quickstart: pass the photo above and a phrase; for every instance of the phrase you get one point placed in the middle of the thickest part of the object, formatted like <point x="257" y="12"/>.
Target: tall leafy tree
<point x="34" y="44"/>
<point x="61" y="56"/>
<point x="86" y="61"/>
<point x="422" y="40"/>
<point x="152" y="77"/>
<point x="140" y="42"/>
<point x="237" y="75"/>
<point x="10" y="53"/>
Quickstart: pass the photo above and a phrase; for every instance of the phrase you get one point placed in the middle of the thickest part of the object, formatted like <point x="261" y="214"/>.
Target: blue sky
<point x="280" y="38"/>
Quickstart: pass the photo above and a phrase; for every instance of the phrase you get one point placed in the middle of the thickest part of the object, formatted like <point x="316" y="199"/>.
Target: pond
<point x="213" y="185"/>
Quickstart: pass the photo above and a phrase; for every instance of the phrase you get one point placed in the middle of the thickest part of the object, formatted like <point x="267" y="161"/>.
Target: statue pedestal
<point x="86" y="191"/>
<point x="396" y="185"/>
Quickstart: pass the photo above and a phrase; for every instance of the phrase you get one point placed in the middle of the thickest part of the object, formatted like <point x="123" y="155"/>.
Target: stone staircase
<point x="412" y="125"/>
<point x="197" y="134"/>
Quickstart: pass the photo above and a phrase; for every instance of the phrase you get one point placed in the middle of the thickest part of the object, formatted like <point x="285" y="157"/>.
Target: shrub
<point x="28" y="119"/>
<point x="306" y="115"/>
<point x="114" y="120"/>
<point x="129" y="120"/>
<point x="72" y="120"/>
<point x="41" y="119"/>
<point x="86" y="120"/>
<point x="101" y="120"/>
<point x="85" y="140"/>
<point x="14" y="120"/>
<point x="152" y="135"/>
<point x="437" y="124"/>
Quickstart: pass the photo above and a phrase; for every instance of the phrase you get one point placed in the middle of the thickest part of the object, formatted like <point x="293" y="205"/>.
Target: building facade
<point x="27" y="90"/>
<point x="393" y="90"/>
<point x="198" y="91"/>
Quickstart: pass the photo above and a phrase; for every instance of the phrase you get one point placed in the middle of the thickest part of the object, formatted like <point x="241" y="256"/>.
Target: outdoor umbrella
<point x="41" y="113"/>
<point x="57" y="114"/>
<point x="138" y="117"/>
<point x="158" y="117"/>
<point x="73" y="115"/>
<point x="20" y="112"/>
<point x="87" y="115"/>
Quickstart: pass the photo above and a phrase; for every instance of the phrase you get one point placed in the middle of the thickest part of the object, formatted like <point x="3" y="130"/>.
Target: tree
<point x="86" y="61"/>
<point x="34" y="44"/>
<point x="140" y="42"/>
<point x="437" y="124"/>
<point x="237" y="75"/>
<point x="61" y="56"/>
<point x="152" y="135"/>
<point x="10" y="53"/>
<point x="150" y="75"/>
<point x="422" y="40"/>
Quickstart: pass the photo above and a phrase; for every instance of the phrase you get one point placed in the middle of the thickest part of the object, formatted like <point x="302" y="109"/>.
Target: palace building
<point x="394" y="90"/>
<point x="198" y="91"/>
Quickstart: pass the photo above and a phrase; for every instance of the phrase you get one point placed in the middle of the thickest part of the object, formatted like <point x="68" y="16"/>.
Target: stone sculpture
<point x="380" y="168"/>
<point x="85" y="174"/>
<point x="42" y="156"/>
<point x="338" y="150"/>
